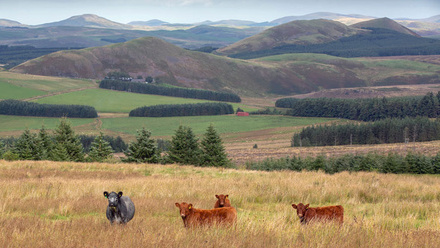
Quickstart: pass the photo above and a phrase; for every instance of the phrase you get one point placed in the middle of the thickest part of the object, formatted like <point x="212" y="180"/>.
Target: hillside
<point x="374" y="38"/>
<point x="9" y="23"/>
<point x="385" y="23"/>
<point x="295" y="32"/>
<point x="284" y="74"/>
<point x="87" y="20"/>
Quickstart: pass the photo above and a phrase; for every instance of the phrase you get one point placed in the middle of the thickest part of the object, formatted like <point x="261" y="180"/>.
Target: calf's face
<point x="300" y="210"/>
<point x="221" y="199"/>
<point x="113" y="199"/>
<point x="185" y="209"/>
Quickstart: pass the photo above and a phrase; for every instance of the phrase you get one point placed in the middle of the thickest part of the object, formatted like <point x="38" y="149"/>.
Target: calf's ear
<point x="294" y="206"/>
<point x="216" y="196"/>
<point x="177" y="205"/>
<point x="227" y="196"/>
<point x="190" y="206"/>
<point x="120" y="193"/>
<point x="307" y="206"/>
<point x="105" y="194"/>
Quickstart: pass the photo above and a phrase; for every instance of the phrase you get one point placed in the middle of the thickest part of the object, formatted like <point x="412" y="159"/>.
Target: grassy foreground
<point x="52" y="204"/>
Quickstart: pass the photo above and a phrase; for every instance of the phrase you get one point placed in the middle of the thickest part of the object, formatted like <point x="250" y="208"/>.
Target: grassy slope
<point x="109" y="101"/>
<point x="20" y="123"/>
<point x="223" y="124"/>
<point x="49" y="204"/>
<point x="43" y="83"/>
<point x="9" y="91"/>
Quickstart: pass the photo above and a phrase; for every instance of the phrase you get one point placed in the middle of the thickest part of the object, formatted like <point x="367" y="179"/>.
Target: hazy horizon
<point x="33" y="12"/>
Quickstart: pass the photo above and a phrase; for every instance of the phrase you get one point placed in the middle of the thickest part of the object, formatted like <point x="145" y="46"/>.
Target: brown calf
<point x="195" y="217"/>
<point x="307" y="214"/>
<point x="222" y="201"/>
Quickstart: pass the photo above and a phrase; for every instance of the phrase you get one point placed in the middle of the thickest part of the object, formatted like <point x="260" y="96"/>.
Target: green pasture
<point x="42" y="83"/>
<point x="17" y="123"/>
<point x="10" y="91"/>
<point x="166" y="126"/>
<point x="110" y="101"/>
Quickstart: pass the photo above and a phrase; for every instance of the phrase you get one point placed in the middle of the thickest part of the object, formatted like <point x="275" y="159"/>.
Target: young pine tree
<point x="143" y="150"/>
<point x="27" y="146"/>
<point x="46" y="143"/>
<point x="68" y="146"/>
<point x="100" y="149"/>
<point x="184" y="147"/>
<point x="212" y="149"/>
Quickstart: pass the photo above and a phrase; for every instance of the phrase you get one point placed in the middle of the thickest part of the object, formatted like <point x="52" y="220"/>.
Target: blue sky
<point x="34" y="12"/>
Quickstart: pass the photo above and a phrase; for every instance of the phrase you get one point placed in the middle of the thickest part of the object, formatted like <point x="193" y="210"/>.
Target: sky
<point x="34" y="12"/>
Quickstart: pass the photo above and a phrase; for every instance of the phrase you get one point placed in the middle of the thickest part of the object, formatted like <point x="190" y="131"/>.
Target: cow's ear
<point x="216" y="196"/>
<point x="177" y="205"/>
<point x="294" y="206"/>
<point x="120" y="194"/>
<point x="105" y="194"/>
<point x="227" y="196"/>
<point x="190" y="206"/>
<point x="307" y="206"/>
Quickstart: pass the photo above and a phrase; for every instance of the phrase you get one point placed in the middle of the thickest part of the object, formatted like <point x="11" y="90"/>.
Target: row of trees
<point x="369" y="109"/>
<point x="184" y="148"/>
<point x="65" y="145"/>
<point x="22" y="108"/>
<point x="394" y="130"/>
<point x="391" y="163"/>
<point x="195" y="109"/>
<point x="168" y="91"/>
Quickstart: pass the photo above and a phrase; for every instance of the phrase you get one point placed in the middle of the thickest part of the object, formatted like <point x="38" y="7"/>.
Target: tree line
<point x="65" y="145"/>
<point x="195" y="109"/>
<point x="413" y="163"/>
<point x="389" y="130"/>
<point x="22" y="108"/>
<point x="369" y="109"/>
<point x="144" y="88"/>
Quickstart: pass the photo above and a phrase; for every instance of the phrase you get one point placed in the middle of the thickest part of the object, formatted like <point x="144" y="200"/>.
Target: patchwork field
<point x="109" y="101"/>
<point x="48" y="204"/>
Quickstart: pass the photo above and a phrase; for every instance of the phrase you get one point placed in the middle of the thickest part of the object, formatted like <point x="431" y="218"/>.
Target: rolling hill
<point x="385" y="23"/>
<point x="283" y="74"/>
<point x="295" y="32"/>
<point x="87" y="20"/>
<point x="378" y="37"/>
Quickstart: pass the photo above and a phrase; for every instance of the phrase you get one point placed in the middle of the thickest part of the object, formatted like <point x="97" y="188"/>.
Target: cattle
<point x="193" y="217"/>
<point x="120" y="208"/>
<point x="307" y="214"/>
<point x="222" y="201"/>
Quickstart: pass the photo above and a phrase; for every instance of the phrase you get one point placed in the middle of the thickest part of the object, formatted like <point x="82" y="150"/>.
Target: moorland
<point x="54" y="204"/>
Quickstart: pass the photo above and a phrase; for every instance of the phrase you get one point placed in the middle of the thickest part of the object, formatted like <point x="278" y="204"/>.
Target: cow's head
<point x="221" y="199"/>
<point x="113" y="199"/>
<point x="300" y="210"/>
<point x="185" y="209"/>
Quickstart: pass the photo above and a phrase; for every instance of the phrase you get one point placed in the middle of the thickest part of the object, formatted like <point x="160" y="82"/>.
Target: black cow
<point x="120" y="208"/>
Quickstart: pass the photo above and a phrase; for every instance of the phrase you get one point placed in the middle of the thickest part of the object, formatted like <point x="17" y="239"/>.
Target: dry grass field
<point x="54" y="204"/>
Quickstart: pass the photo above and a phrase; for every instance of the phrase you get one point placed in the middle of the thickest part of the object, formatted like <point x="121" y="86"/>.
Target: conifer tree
<point x="100" y="149"/>
<point x="27" y="147"/>
<point x="184" y="147"/>
<point x="143" y="150"/>
<point x="46" y="143"/>
<point x="213" y="151"/>
<point x="68" y="145"/>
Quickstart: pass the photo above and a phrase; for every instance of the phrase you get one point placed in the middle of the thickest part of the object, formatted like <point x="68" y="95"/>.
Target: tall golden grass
<point x="60" y="204"/>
